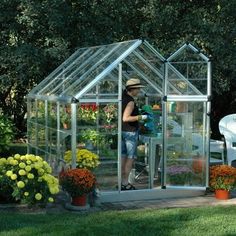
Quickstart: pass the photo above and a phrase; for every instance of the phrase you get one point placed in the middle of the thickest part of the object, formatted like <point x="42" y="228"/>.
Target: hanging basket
<point x="222" y="194"/>
<point x="79" y="200"/>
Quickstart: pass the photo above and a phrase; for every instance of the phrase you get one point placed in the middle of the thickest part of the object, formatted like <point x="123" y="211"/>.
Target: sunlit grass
<point x="186" y="221"/>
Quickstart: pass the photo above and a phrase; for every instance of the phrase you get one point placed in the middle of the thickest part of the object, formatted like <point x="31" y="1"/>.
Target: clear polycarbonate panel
<point x="145" y="72"/>
<point x="188" y="53"/>
<point x="107" y="171"/>
<point x="55" y="76"/>
<point x="107" y="88"/>
<point x="178" y="84"/>
<point x="81" y="69"/>
<point x="186" y="140"/>
<point x="195" y="73"/>
<point x="94" y="75"/>
<point x="187" y="71"/>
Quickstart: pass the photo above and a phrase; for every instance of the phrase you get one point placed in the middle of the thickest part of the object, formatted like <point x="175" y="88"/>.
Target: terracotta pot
<point x="66" y="126"/>
<point x="222" y="194"/>
<point x="79" y="200"/>
<point x="198" y="165"/>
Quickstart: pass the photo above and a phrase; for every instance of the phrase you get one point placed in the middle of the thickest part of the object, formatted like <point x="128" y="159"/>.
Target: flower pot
<point x="79" y="200"/>
<point x="222" y="194"/>
<point x="198" y="165"/>
<point x="66" y="126"/>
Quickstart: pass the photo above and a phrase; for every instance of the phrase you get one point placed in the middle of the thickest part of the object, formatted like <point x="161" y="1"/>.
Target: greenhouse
<point x="78" y="107"/>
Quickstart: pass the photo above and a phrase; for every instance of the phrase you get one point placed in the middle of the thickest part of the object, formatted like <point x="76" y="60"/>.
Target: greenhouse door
<point x="186" y="139"/>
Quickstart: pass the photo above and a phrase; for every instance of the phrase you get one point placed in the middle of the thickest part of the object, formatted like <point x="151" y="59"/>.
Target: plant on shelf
<point x="65" y="117"/>
<point x="110" y="113"/>
<point x="179" y="174"/>
<point x="92" y="136"/>
<point x="27" y="179"/>
<point x="87" y="113"/>
<point x="84" y="158"/>
<point x="222" y="177"/>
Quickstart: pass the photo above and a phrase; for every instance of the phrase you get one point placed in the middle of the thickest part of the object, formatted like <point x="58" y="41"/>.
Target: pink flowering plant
<point x="27" y="179"/>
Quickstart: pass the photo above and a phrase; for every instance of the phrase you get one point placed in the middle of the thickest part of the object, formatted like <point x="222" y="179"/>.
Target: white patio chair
<point x="227" y="127"/>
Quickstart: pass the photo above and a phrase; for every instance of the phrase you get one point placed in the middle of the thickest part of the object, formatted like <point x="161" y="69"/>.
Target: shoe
<point x="123" y="187"/>
<point x="127" y="187"/>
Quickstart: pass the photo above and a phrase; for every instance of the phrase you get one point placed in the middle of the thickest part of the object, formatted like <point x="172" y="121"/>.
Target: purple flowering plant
<point x="178" y="174"/>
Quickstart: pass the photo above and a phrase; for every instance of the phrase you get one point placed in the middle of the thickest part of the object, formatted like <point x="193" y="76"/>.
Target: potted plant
<point x="27" y="179"/>
<point x="78" y="183"/>
<point x="87" y="113"/>
<point x="65" y="117"/>
<point x="92" y="138"/>
<point x="222" y="180"/>
<point x="84" y="158"/>
<point x="178" y="174"/>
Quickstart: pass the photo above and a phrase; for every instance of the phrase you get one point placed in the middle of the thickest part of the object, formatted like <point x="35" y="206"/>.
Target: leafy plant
<point x="27" y="179"/>
<point x="77" y="181"/>
<point x="6" y="133"/>
<point x="92" y="135"/>
<point x="222" y="177"/>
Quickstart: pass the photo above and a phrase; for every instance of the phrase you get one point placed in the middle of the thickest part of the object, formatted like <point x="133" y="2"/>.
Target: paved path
<point x="207" y="200"/>
<point x="59" y="206"/>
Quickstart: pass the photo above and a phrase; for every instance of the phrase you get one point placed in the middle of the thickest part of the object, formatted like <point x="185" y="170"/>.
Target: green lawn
<point x="182" y="221"/>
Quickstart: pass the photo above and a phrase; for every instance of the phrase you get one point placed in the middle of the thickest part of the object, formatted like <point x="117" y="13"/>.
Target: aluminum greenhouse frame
<point x="96" y="76"/>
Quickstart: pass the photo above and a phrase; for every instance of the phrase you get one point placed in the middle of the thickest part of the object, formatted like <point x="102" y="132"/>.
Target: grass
<point x="215" y="221"/>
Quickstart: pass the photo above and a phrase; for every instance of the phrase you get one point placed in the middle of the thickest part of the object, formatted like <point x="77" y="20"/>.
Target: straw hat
<point x="134" y="83"/>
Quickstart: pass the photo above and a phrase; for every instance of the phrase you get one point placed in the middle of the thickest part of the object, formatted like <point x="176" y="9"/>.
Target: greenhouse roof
<point x="88" y="66"/>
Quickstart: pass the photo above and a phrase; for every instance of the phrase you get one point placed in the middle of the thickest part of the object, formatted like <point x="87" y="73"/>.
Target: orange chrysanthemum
<point x="222" y="177"/>
<point x="77" y="181"/>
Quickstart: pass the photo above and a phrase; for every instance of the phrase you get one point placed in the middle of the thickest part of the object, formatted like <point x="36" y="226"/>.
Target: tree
<point x="36" y="36"/>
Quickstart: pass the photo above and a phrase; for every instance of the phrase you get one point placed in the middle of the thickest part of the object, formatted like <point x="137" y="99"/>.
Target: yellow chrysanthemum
<point x="54" y="190"/>
<point x="40" y="171"/>
<point x="9" y="173"/>
<point x="17" y="156"/>
<point x="28" y="168"/>
<point x="30" y="176"/>
<point x="9" y="159"/>
<point x="13" y="162"/>
<point x="3" y="161"/>
<point x="21" y="172"/>
<point x="20" y="184"/>
<point x="50" y="199"/>
<point x="22" y="165"/>
<point x="38" y="196"/>
<point x="38" y="158"/>
<point x="13" y="176"/>
<point x="22" y="158"/>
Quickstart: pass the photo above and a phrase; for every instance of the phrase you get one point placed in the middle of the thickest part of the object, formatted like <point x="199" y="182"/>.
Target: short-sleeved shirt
<point x="129" y="126"/>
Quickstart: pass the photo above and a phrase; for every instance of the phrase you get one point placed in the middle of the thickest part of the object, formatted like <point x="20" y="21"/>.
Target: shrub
<point x="6" y="133"/>
<point x="27" y="179"/>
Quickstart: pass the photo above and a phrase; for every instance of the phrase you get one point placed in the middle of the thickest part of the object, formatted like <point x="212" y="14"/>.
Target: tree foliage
<point x="36" y="36"/>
